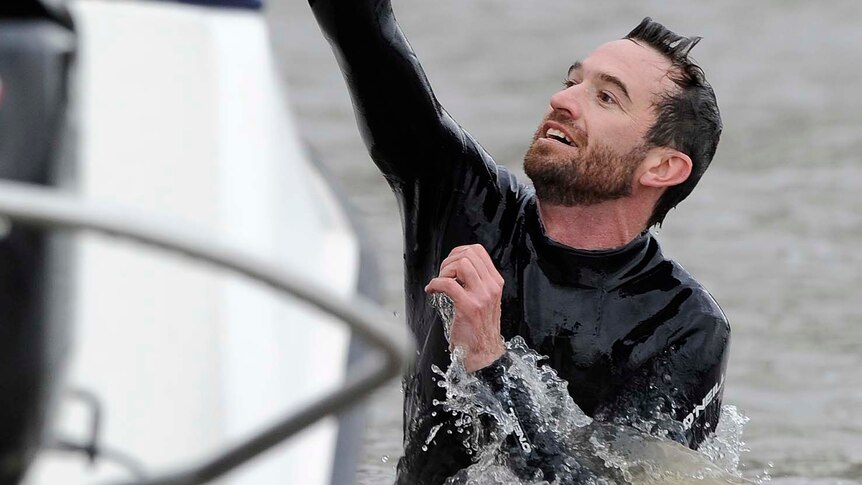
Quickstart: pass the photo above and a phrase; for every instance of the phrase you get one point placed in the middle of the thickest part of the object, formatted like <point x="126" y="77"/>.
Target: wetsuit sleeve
<point x="435" y="449"/>
<point x="678" y="393"/>
<point x="407" y="132"/>
<point x="530" y="447"/>
<point x="440" y="443"/>
<point x="444" y="443"/>
<point x="537" y="445"/>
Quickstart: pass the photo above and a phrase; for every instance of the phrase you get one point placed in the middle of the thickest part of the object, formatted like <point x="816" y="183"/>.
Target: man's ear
<point x="667" y="167"/>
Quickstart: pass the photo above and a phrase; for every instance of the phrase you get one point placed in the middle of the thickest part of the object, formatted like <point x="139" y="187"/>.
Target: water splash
<point x="546" y="439"/>
<point x="725" y="446"/>
<point x="446" y="308"/>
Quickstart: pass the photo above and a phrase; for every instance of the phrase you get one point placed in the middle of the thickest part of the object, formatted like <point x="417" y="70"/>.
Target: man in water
<point x="570" y="266"/>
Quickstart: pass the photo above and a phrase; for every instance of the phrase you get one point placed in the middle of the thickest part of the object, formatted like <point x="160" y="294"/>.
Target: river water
<point x="773" y="229"/>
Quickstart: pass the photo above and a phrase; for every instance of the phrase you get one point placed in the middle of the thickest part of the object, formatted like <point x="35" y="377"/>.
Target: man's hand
<point x="469" y="278"/>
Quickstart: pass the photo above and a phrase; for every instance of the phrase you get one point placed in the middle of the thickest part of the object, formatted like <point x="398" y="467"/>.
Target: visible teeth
<point x="558" y="134"/>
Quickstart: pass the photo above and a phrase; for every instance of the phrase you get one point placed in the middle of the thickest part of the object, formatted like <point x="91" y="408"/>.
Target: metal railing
<point x="43" y="207"/>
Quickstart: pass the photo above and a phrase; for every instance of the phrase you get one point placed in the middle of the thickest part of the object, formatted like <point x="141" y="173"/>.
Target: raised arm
<point x="407" y="132"/>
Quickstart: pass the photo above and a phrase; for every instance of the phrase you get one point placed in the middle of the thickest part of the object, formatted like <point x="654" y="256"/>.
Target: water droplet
<point x="433" y="413"/>
<point x="424" y="448"/>
<point x="385" y="459"/>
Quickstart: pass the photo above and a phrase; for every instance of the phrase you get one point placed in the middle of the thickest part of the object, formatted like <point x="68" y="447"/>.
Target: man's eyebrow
<point x="608" y="78"/>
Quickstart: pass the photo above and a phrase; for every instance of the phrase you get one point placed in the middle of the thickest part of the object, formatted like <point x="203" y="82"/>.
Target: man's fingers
<point x="457" y="252"/>
<point x="449" y="287"/>
<point x="462" y="252"/>
<point x="489" y="264"/>
<point x="470" y="253"/>
<point x="463" y="270"/>
<point x="480" y="260"/>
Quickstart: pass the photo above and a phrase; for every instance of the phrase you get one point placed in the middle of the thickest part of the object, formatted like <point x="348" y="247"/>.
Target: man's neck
<point x="606" y="225"/>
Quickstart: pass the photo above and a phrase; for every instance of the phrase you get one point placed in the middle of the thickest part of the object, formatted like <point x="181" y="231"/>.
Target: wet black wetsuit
<point x="632" y="332"/>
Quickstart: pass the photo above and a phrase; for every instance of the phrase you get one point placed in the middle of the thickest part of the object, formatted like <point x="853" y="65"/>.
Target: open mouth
<point x="555" y="134"/>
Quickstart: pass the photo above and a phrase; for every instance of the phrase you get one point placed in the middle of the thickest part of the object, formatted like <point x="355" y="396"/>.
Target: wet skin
<point x="631" y="331"/>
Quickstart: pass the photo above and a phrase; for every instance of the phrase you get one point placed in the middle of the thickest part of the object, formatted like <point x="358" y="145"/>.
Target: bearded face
<point x="569" y="170"/>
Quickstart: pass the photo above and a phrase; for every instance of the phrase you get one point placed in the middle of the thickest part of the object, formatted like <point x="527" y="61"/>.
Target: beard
<point x="587" y="175"/>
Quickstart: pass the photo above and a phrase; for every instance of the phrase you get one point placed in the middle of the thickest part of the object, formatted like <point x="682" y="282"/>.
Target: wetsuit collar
<point x="603" y="269"/>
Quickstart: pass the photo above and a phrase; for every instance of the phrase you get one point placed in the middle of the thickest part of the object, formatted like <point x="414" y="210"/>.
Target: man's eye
<point x="606" y="98"/>
<point x="569" y="82"/>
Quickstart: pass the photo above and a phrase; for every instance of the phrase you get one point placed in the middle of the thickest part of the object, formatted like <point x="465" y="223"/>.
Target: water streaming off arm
<point x="522" y="428"/>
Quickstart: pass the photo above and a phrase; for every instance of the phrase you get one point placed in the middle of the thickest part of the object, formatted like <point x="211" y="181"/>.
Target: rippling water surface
<point x="773" y="230"/>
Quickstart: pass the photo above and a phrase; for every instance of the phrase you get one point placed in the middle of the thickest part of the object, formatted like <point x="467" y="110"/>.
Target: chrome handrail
<point x="43" y="207"/>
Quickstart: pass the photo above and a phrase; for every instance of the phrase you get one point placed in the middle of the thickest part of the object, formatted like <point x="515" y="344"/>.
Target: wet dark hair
<point x="688" y="118"/>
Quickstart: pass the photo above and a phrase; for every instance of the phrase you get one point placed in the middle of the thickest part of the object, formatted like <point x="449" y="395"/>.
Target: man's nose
<point x="568" y="100"/>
